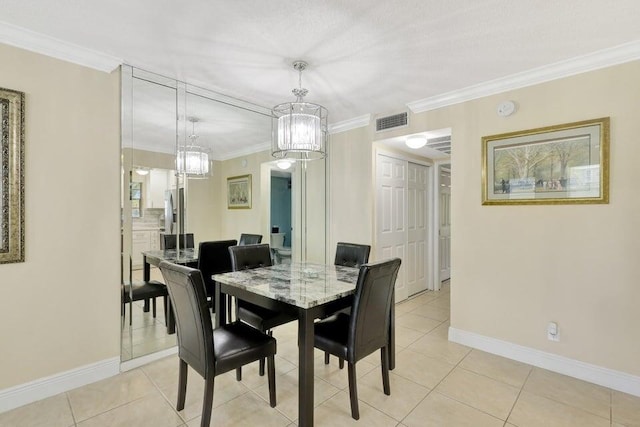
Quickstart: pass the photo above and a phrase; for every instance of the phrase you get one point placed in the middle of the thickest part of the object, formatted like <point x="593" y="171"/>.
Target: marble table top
<point x="304" y="285"/>
<point x="184" y="256"/>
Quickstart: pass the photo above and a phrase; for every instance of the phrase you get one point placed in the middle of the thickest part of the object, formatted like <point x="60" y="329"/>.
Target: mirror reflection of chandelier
<point x="193" y="159"/>
<point x="299" y="128"/>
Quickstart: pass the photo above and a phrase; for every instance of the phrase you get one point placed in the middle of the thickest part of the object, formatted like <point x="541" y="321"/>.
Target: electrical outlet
<point x="553" y="333"/>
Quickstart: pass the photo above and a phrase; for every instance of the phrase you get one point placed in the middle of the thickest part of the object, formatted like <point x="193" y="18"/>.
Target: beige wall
<point x="351" y="189"/>
<point x="515" y="268"/>
<point x="60" y="308"/>
<point x="234" y="222"/>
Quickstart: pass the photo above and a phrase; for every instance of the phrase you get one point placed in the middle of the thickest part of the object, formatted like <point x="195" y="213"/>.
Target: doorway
<point x="444" y="226"/>
<point x="402" y="221"/>
<point x="281" y="227"/>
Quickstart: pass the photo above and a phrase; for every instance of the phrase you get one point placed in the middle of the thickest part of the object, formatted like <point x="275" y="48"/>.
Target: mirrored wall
<point x="183" y="148"/>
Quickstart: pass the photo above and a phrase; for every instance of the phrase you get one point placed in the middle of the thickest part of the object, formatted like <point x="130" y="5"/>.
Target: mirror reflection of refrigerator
<point x="174" y="204"/>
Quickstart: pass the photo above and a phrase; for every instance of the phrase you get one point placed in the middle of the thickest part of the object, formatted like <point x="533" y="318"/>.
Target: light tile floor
<point x="435" y="383"/>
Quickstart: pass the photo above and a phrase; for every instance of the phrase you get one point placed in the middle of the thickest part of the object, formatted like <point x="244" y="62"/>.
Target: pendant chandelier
<point x="299" y="128"/>
<point x="193" y="159"/>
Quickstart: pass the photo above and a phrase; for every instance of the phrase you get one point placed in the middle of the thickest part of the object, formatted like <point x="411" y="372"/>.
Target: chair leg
<point x="154" y="307"/>
<point x="326" y="357"/>
<point x="164" y="301"/>
<point x="239" y="374"/>
<point x="353" y="391"/>
<point x="271" y="374"/>
<point x="384" y="355"/>
<point x="207" y="403"/>
<point x="341" y="362"/>
<point x="261" y="363"/>
<point x="182" y="385"/>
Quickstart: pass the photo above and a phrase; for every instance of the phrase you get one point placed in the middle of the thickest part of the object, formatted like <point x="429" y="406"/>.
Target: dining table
<point x="307" y="290"/>
<point x="184" y="256"/>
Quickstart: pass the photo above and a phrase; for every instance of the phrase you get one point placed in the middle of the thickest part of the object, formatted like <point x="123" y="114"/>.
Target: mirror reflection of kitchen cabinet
<point x="160" y="180"/>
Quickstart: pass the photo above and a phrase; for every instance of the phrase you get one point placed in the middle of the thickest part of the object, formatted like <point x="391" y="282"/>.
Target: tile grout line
<point x="518" y="396"/>
<point x="73" y="417"/>
<point x="435" y="386"/>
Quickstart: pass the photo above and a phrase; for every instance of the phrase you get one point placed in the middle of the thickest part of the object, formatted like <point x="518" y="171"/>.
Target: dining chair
<point x="352" y="254"/>
<point x="169" y="241"/>
<point x="138" y="291"/>
<point x="214" y="258"/>
<point x="349" y="255"/>
<point x="354" y="336"/>
<point x="250" y="239"/>
<point x="263" y="319"/>
<point x="142" y="290"/>
<point x="208" y="351"/>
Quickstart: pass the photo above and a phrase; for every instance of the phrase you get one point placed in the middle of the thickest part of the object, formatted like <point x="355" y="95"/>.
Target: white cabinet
<point x="158" y="183"/>
<point x="143" y="240"/>
<point x="140" y="242"/>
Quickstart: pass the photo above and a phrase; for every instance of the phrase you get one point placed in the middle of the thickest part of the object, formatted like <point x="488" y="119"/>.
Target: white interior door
<point x="445" y="224"/>
<point x="416" y="262"/>
<point x="391" y="215"/>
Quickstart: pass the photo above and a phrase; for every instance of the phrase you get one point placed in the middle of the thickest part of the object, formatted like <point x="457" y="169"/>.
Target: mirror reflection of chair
<point x="210" y="352"/>
<point x="169" y="241"/>
<point x="214" y="258"/>
<point x="250" y="239"/>
<point x="138" y="291"/>
<point x="354" y="336"/>
<point x="263" y="319"/>
<point x="349" y="255"/>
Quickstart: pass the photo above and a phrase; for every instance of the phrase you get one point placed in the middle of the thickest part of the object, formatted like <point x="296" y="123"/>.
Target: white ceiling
<point x="365" y="56"/>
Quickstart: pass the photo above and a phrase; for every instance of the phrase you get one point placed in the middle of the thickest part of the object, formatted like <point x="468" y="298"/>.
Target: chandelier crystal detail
<point x="299" y="128"/>
<point x="193" y="159"/>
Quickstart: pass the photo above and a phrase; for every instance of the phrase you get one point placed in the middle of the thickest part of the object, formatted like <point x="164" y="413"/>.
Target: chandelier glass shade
<point x="193" y="159"/>
<point x="299" y="128"/>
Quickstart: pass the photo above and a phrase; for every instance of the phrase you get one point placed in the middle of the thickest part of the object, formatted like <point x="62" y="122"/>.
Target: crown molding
<point x="345" y="125"/>
<point x="49" y="46"/>
<point x="601" y="59"/>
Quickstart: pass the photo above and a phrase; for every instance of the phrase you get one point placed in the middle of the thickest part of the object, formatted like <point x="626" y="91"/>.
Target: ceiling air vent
<point x="391" y="122"/>
<point x="442" y="143"/>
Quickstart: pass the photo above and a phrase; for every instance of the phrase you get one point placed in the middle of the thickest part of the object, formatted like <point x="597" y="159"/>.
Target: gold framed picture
<point x="562" y="164"/>
<point x="239" y="192"/>
<point x="12" y="112"/>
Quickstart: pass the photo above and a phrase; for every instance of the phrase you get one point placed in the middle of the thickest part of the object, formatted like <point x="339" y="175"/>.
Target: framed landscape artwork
<point x="562" y="164"/>
<point x="239" y="192"/>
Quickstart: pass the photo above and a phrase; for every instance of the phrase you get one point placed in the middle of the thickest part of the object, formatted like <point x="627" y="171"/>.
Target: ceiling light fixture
<point x="299" y="128"/>
<point x="284" y="164"/>
<point x="416" y="141"/>
<point x="142" y="171"/>
<point x="193" y="159"/>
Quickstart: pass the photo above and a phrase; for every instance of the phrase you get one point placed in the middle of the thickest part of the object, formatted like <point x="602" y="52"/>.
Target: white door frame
<point x="433" y="277"/>
<point x="436" y="220"/>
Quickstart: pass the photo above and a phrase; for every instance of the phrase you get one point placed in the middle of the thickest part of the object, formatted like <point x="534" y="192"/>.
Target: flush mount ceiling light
<point x="284" y="164"/>
<point x="299" y="128"/>
<point x="193" y="159"/>
<point x="142" y="171"/>
<point x="416" y="141"/>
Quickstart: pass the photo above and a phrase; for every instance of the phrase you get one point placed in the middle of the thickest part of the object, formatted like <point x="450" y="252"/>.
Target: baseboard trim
<point x="23" y="394"/>
<point x="606" y="377"/>
<point x="143" y="360"/>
